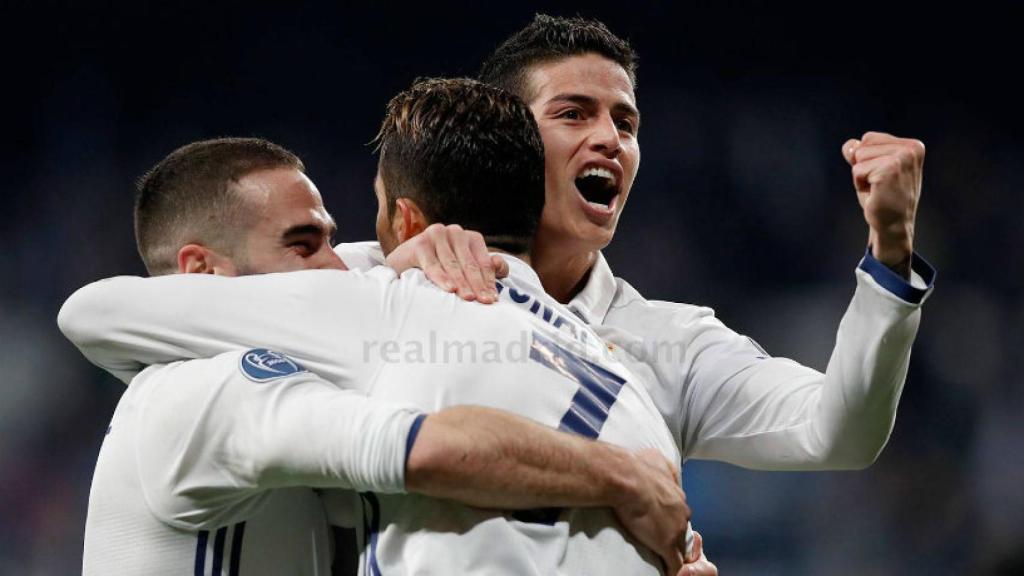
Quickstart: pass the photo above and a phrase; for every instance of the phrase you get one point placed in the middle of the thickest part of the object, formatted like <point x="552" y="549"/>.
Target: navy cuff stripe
<point x="893" y="282"/>
<point x="414" y="431"/>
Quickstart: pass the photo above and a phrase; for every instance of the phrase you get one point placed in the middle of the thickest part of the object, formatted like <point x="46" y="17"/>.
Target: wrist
<point x="893" y="250"/>
<point x="397" y="261"/>
<point x="619" y="481"/>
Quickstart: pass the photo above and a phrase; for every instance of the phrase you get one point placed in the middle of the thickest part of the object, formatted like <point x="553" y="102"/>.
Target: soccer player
<point x="208" y="464"/>
<point x="721" y="395"/>
<point x="443" y="140"/>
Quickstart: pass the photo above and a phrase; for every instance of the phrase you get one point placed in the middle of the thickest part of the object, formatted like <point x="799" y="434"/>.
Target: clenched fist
<point x="887" y="176"/>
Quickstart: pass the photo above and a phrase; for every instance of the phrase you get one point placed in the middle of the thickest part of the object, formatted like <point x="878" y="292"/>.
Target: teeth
<point x="600" y="172"/>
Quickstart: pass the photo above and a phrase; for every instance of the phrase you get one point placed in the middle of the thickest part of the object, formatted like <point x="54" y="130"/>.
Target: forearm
<point x="493" y="459"/>
<point x="783" y="416"/>
<point x="865" y="377"/>
<point x="241" y="439"/>
<point x="490" y="459"/>
<point x="124" y="324"/>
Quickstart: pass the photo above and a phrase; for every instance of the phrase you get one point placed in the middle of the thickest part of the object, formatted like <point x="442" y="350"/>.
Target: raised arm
<point x="749" y="409"/>
<point x="765" y="413"/>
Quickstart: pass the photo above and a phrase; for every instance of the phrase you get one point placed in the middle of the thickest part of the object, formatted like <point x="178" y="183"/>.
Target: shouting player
<point x="479" y="146"/>
<point x="721" y="395"/>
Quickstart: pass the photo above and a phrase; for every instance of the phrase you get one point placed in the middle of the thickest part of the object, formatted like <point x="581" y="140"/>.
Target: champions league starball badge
<point x="262" y="365"/>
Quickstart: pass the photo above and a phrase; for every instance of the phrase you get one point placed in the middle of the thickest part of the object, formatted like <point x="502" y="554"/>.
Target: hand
<point x="654" y="511"/>
<point x="454" y="259"/>
<point x="698" y="564"/>
<point x="887" y="174"/>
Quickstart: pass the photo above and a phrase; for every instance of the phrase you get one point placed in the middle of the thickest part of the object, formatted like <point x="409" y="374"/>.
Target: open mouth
<point x="598" y="186"/>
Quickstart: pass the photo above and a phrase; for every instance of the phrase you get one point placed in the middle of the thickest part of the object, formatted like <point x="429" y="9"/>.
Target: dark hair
<point x="551" y="38"/>
<point x="468" y="154"/>
<point x="189" y="197"/>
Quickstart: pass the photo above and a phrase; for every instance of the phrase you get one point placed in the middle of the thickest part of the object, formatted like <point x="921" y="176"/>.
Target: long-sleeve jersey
<point x="406" y="341"/>
<point x="208" y="467"/>
<point x="725" y="398"/>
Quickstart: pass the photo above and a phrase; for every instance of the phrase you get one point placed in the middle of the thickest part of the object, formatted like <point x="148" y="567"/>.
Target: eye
<point x="571" y="114"/>
<point x="304" y="247"/>
<point x="301" y="246"/>
<point x="625" y="125"/>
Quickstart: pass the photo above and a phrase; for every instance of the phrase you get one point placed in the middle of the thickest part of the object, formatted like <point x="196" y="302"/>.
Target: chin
<point x="603" y="240"/>
<point x="594" y="237"/>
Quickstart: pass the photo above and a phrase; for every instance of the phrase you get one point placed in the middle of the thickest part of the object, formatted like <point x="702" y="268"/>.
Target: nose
<point x="327" y="259"/>
<point x="605" y="137"/>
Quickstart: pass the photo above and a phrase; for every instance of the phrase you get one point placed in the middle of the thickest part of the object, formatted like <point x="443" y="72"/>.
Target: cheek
<point x="379" y="225"/>
<point x="558" y="144"/>
<point x="631" y="167"/>
<point x="557" y="151"/>
<point x="386" y="237"/>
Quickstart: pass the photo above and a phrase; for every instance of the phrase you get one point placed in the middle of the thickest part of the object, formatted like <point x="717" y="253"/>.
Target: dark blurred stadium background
<point x="743" y="203"/>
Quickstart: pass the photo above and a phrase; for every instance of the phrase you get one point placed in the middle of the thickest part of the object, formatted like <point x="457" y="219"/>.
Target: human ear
<point x="198" y="259"/>
<point x="408" y="220"/>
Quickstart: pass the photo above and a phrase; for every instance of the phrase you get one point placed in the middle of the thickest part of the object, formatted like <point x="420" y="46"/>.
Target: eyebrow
<point x="305" y="229"/>
<point x="624" y="108"/>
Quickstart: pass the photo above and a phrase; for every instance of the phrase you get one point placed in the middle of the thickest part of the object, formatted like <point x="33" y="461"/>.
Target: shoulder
<point x="633" y="309"/>
<point x="194" y="380"/>
<point x="360" y="255"/>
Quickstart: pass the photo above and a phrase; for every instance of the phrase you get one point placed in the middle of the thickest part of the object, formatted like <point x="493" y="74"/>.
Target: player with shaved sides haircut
<point x="449" y="149"/>
<point x="463" y="152"/>
<point x="211" y="192"/>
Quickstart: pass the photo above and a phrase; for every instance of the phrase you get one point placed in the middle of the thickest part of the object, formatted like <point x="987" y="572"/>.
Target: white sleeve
<point x="322" y="317"/>
<point x="751" y="410"/>
<point x="207" y="451"/>
<point x="360" y="255"/>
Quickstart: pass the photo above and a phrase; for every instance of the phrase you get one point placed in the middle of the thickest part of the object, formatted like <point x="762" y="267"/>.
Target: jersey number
<point x="598" y="390"/>
<point x="598" y="387"/>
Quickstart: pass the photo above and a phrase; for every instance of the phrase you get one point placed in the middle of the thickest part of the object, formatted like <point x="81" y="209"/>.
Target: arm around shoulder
<point x="209" y="447"/>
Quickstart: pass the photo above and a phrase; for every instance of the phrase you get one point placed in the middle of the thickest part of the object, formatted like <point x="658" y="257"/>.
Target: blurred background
<point x="743" y="203"/>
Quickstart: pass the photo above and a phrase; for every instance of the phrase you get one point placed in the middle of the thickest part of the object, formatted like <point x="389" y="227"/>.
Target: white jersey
<point x="404" y="340"/>
<point x="207" y="468"/>
<point x="724" y="398"/>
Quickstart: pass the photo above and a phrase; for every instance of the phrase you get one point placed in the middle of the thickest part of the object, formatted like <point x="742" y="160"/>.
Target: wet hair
<point x="466" y="153"/>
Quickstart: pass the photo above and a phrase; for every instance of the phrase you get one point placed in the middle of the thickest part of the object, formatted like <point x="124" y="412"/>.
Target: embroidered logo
<point x="262" y="365"/>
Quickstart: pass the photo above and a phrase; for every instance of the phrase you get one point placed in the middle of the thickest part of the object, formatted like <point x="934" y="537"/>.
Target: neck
<point x="563" y="275"/>
<point x="524" y="257"/>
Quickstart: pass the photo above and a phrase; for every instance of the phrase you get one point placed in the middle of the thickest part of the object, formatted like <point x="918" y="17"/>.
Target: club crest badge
<point x="262" y="365"/>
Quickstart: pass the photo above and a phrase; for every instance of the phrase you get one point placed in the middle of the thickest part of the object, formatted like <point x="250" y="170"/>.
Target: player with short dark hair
<point x="194" y="193"/>
<point x="723" y="397"/>
<point x="465" y="153"/>
<point x="347" y="328"/>
<point x="548" y="39"/>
